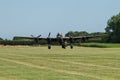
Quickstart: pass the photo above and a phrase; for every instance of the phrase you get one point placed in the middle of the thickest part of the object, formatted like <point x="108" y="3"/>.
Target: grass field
<point x="101" y="45"/>
<point x="39" y="63"/>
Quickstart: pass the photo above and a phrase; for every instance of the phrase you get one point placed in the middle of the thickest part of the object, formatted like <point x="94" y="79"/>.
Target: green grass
<point x="101" y="45"/>
<point x="39" y="63"/>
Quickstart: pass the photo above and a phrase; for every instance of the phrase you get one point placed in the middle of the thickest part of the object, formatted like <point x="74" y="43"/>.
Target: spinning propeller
<point x="36" y="39"/>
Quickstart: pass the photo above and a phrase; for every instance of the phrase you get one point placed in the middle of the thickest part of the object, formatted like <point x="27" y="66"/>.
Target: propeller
<point x="49" y="34"/>
<point x="49" y="41"/>
<point x="32" y="36"/>
<point x="38" y="36"/>
<point x="35" y="37"/>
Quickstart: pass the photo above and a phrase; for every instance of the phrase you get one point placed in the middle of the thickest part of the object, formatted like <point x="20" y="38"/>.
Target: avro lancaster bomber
<point x="60" y="39"/>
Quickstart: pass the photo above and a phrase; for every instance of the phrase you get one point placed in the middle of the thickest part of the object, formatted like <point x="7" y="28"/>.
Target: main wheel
<point x="71" y="46"/>
<point x="64" y="46"/>
<point x="49" y="46"/>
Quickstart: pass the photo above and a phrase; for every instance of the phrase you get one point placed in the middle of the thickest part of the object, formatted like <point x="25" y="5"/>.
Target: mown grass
<point x="101" y="45"/>
<point x="39" y="63"/>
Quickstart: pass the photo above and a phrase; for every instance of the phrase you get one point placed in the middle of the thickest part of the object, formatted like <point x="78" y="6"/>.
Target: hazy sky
<point x="26" y="17"/>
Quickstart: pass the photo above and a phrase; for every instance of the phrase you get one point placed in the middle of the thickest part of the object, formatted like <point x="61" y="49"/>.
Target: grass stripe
<point x="72" y="62"/>
<point x="86" y="64"/>
<point x="10" y="78"/>
<point x="57" y="70"/>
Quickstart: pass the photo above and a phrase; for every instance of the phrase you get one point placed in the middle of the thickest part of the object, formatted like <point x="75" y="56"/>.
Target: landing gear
<point x="49" y="46"/>
<point x="71" y="42"/>
<point x="63" y="46"/>
<point x="49" y="41"/>
<point x="71" y="46"/>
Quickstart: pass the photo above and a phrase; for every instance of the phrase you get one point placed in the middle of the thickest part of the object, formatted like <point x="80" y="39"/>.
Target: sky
<point x="26" y="17"/>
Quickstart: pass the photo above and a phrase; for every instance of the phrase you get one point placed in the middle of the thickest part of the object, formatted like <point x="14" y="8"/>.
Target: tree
<point x="70" y="33"/>
<point x="76" y="33"/>
<point x="113" y="29"/>
<point x="1" y="38"/>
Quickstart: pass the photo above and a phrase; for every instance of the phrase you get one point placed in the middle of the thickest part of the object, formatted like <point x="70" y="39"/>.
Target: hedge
<point x="21" y="42"/>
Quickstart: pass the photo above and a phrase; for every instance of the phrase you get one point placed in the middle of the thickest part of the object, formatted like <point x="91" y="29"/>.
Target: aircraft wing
<point x="84" y="37"/>
<point x="31" y="38"/>
<point x="55" y="39"/>
<point x="19" y="38"/>
<point x="75" y="38"/>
